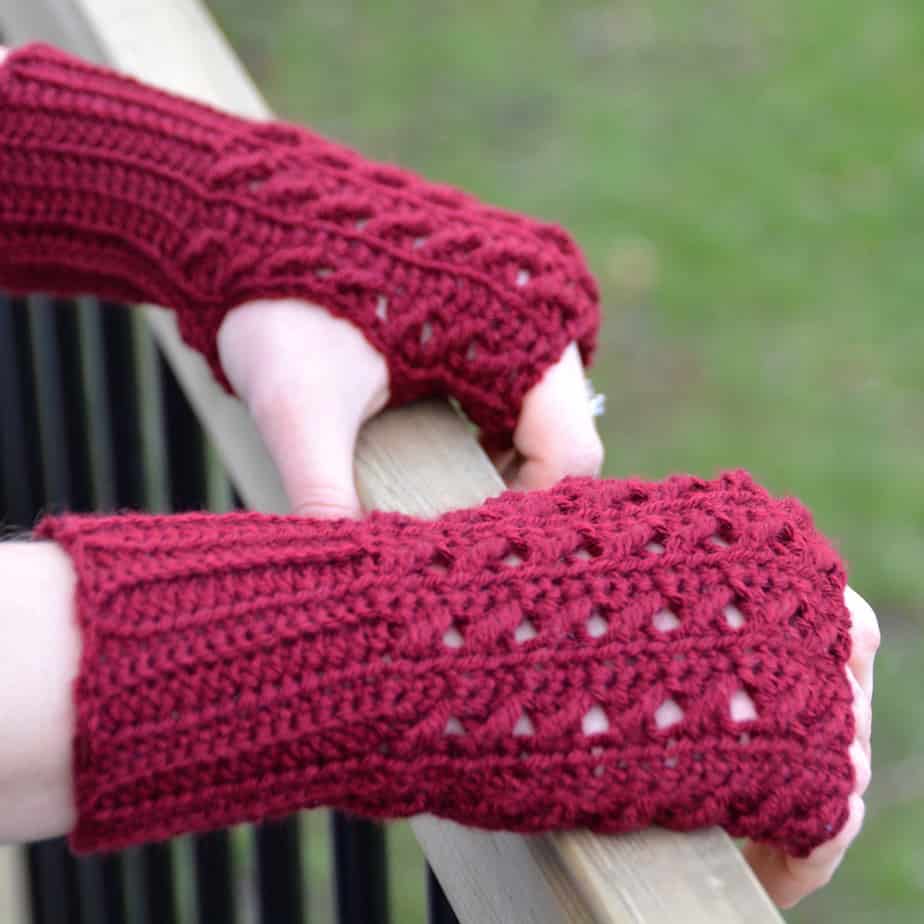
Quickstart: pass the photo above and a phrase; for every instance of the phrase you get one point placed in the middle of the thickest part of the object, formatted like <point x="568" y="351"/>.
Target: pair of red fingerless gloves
<point x="503" y="665"/>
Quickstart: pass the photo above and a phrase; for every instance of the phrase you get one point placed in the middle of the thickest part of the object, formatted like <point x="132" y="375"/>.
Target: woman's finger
<point x="862" y="713"/>
<point x="556" y="435"/>
<point x="310" y="381"/>
<point x="312" y="444"/>
<point x="787" y="879"/>
<point x="865" y="638"/>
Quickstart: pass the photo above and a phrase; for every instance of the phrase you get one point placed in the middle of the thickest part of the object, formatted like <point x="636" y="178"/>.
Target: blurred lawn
<point x="747" y="179"/>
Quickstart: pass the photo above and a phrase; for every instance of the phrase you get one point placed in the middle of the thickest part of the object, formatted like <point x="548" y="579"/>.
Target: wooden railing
<point x="421" y="460"/>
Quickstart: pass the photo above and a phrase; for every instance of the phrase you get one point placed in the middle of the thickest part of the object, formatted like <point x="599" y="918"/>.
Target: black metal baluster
<point x="279" y="872"/>
<point x="18" y="436"/>
<point x="56" y="879"/>
<point x="184" y="446"/>
<point x="53" y="430"/>
<point x="439" y="910"/>
<point x="360" y="870"/>
<point x="124" y="400"/>
<point x="102" y="893"/>
<point x="97" y="419"/>
<point x="214" y="881"/>
<point x="159" y="883"/>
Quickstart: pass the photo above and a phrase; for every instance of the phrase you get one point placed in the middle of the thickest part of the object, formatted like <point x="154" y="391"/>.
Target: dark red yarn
<point x="242" y="666"/>
<point x="112" y="187"/>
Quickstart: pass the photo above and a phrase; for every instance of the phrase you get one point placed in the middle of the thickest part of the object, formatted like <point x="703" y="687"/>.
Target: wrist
<point x="41" y="648"/>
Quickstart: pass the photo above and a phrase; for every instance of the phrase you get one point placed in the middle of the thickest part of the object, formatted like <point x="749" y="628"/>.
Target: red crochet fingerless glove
<point x="502" y="666"/>
<point x="110" y="186"/>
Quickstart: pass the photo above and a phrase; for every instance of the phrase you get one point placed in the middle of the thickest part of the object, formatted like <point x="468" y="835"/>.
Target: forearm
<point x="579" y="657"/>
<point x="114" y="187"/>
<point x="39" y="653"/>
<point x="91" y="198"/>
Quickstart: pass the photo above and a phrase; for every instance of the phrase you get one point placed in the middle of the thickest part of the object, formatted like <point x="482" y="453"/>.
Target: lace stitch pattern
<point x="504" y="666"/>
<point x="114" y="187"/>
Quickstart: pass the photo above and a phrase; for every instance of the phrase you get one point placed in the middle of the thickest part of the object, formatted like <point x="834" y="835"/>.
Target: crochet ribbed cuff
<point x="112" y="187"/>
<point x="548" y="660"/>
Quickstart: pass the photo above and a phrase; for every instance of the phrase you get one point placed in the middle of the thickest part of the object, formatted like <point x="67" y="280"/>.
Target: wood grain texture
<point x="420" y="460"/>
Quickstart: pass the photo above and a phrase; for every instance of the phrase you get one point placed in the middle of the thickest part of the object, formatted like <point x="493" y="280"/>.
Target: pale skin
<point x="311" y="381"/>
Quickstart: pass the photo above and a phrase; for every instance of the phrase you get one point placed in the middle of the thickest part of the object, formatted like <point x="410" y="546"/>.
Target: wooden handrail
<point x="421" y="460"/>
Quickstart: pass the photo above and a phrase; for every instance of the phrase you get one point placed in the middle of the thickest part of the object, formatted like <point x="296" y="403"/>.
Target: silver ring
<point x="596" y="400"/>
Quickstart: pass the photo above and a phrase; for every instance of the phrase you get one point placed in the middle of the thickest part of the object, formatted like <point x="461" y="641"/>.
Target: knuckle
<point x="862" y="771"/>
<point x="864" y="624"/>
<point x="325" y="501"/>
<point x="863" y="717"/>
<point x="325" y="509"/>
<point x="807" y="876"/>
<point x="823" y="878"/>
<point x="869" y="637"/>
<point x="584" y="457"/>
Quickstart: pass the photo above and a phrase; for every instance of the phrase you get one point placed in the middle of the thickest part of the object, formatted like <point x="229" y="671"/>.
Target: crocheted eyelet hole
<point x="322" y="272"/>
<point x="471" y="352"/>
<point x="420" y="242"/>
<point x="587" y="550"/>
<point x="426" y="332"/>
<point x="523" y="277"/>
<point x="453" y="727"/>
<point x="723" y="536"/>
<point x="595" y="722"/>
<point x="439" y="564"/>
<point x="668" y="714"/>
<point x="656" y="545"/>
<point x="733" y="616"/>
<point x="452" y="638"/>
<point x="665" y="621"/>
<point x="524" y="632"/>
<point x="524" y="727"/>
<point x="742" y="707"/>
<point x="381" y="308"/>
<point x="596" y="624"/>
<point x="513" y="559"/>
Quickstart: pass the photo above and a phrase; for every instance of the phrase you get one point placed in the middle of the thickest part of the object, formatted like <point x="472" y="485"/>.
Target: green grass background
<point x="747" y="179"/>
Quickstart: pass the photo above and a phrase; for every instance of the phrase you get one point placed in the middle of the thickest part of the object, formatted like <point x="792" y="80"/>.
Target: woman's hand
<point x="311" y="380"/>
<point x="789" y="880"/>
